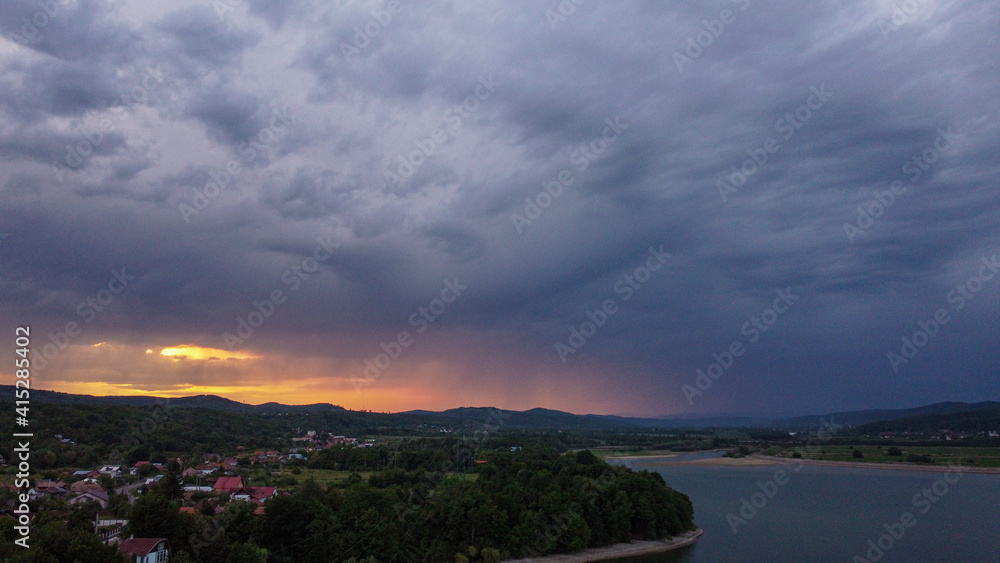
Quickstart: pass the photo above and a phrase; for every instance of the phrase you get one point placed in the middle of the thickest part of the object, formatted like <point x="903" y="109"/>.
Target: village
<point x="206" y="485"/>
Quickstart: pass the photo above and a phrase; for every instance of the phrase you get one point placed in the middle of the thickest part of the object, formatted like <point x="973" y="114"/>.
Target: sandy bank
<point x="758" y="459"/>
<point x="864" y="465"/>
<point x="618" y="550"/>
<point x="718" y="462"/>
<point x="656" y="456"/>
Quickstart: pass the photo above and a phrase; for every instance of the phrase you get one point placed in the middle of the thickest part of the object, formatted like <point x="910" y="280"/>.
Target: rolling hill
<point x="539" y="418"/>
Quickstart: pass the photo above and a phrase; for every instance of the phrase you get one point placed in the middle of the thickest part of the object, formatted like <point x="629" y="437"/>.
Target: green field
<point x="626" y="452"/>
<point x="942" y="455"/>
<point x="327" y="476"/>
<point x="321" y="476"/>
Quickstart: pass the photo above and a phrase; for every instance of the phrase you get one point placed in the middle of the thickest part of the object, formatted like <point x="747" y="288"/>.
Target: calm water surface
<point x="825" y="514"/>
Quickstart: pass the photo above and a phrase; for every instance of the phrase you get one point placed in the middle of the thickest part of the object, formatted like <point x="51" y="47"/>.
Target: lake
<point x="820" y="514"/>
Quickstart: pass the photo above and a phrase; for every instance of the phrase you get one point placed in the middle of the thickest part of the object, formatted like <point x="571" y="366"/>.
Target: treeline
<point x="980" y="420"/>
<point x="522" y="504"/>
<point x="126" y="434"/>
<point x="102" y="433"/>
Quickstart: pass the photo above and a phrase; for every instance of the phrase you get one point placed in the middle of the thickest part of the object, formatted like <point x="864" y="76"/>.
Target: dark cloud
<point x="211" y="201"/>
<point x="201" y="35"/>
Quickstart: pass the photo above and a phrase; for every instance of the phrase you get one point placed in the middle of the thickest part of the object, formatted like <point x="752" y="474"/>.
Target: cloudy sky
<point x="398" y="205"/>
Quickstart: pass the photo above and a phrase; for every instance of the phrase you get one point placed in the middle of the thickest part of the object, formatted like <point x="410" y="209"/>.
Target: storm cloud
<point x="627" y="192"/>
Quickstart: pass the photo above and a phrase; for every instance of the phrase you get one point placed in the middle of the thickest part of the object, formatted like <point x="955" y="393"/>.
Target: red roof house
<point x="228" y="484"/>
<point x="256" y="495"/>
<point x="146" y="550"/>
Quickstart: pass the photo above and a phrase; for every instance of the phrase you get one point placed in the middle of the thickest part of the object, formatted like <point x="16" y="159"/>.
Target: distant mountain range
<point x="985" y="419"/>
<point x="196" y="401"/>
<point x="539" y="418"/>
<point x="547" y="418"/>
<point x="858" y="418"/>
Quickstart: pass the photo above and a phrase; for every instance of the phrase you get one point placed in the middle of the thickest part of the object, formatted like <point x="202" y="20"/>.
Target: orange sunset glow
<point x="255" y="377"/>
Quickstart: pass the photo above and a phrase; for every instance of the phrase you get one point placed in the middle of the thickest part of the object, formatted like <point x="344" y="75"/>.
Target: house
<point x="256" y="495"/>
<point x="228" y="484"/>
<point x="108" y="529"/>
<point x="48" y="483"/>
<point x="86" y="487"/>
<point x="145" y="550"/>
<point x="48" y="488"/>
<point x="112" y="470"/>
<point x="197" y="489"/>
<point x="100" y="498"/>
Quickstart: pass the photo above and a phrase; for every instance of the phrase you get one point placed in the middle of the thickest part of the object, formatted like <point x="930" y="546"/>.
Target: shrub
<point x="894" y="451"/>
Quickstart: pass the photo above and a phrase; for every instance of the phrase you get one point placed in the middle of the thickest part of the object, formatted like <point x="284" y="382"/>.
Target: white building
<point x="146" y="550"/>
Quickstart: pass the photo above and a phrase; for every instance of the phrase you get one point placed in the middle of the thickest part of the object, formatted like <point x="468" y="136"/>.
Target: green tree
<point x="171" y="485"/>
<point x="155" y="516"/>
<point x="246" y="553"/>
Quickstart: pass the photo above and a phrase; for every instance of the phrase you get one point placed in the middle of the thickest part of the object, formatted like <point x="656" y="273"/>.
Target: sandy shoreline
<point x="758" y="460"/>
<point x="718" y="462"/>
<point x="864" y="465"/>
<point x="657" y="456"/>
<point x="618" y="550"/>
